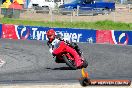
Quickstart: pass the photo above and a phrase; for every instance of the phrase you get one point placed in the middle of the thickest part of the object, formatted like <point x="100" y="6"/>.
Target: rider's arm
<point x="53" y="45"/>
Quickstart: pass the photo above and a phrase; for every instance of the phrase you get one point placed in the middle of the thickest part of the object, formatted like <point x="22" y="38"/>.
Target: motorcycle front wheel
<point x="69" y="62"/>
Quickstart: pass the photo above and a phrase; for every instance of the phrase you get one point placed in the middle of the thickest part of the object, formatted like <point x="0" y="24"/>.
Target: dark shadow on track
<point x="60" y="68"/>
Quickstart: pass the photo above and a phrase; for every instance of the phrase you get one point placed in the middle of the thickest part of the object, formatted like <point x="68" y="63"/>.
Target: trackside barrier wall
<point x="39" y="33"/>
<point x="10" y="31"/>
<point x="114" y="37"/>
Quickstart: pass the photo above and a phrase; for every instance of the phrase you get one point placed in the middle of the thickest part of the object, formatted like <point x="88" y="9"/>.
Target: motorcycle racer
<point x="55" y="40"/>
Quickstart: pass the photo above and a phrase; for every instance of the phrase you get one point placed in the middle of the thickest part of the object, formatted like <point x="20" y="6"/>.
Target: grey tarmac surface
<point x="29" y="61"/>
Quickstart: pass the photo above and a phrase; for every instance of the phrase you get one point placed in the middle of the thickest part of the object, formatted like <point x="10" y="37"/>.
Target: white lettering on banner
<point x="39" y="33"/>
<point x="43" y="33"/>
<point x="34" y="29"/>
<point x="90" y="40"/>
<point x="74" y="37"/>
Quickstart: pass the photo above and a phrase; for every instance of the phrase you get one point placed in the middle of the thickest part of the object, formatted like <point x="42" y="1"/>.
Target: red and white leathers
<point x="57" y="46"/>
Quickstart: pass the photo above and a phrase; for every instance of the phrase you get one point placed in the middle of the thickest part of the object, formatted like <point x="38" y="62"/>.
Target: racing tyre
<point x="69" y="62"/>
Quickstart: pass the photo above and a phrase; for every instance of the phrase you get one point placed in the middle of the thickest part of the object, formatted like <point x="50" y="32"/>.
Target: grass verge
<point x="100" y="25"/>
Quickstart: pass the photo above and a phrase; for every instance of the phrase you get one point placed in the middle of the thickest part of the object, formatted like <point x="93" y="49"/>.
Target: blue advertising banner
<point x="39" y="33"/>
<point x="73" y="34"/>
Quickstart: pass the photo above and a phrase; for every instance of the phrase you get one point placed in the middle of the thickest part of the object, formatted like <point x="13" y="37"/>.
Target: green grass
<point x="100" y="25"/>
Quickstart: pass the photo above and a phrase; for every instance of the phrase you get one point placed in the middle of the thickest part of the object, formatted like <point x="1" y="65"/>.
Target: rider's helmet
<point x="50" y="35"/>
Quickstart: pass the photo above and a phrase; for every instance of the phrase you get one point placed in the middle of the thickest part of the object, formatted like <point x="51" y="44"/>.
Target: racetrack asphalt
<point x="29" y="61"/>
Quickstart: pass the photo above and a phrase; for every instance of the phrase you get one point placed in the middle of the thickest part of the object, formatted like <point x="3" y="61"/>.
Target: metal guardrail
<point x="120" y="14"/>
<point x="80" y="11"/>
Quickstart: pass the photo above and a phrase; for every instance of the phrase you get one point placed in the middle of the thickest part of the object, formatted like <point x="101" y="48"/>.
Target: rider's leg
<point x="58" y="51"/>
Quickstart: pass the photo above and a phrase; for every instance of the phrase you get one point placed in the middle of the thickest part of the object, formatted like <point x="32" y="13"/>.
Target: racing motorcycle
<point x="66" y="57"/>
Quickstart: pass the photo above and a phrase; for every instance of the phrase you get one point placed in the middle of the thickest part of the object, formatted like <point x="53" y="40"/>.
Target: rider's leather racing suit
<point x="56" y="48"/>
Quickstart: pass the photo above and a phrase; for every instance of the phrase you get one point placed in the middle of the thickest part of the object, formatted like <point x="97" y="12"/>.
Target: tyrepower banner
<point x="75" y="35"/>
<point x="39" y="33"/>
<point x="114" y="37"/>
